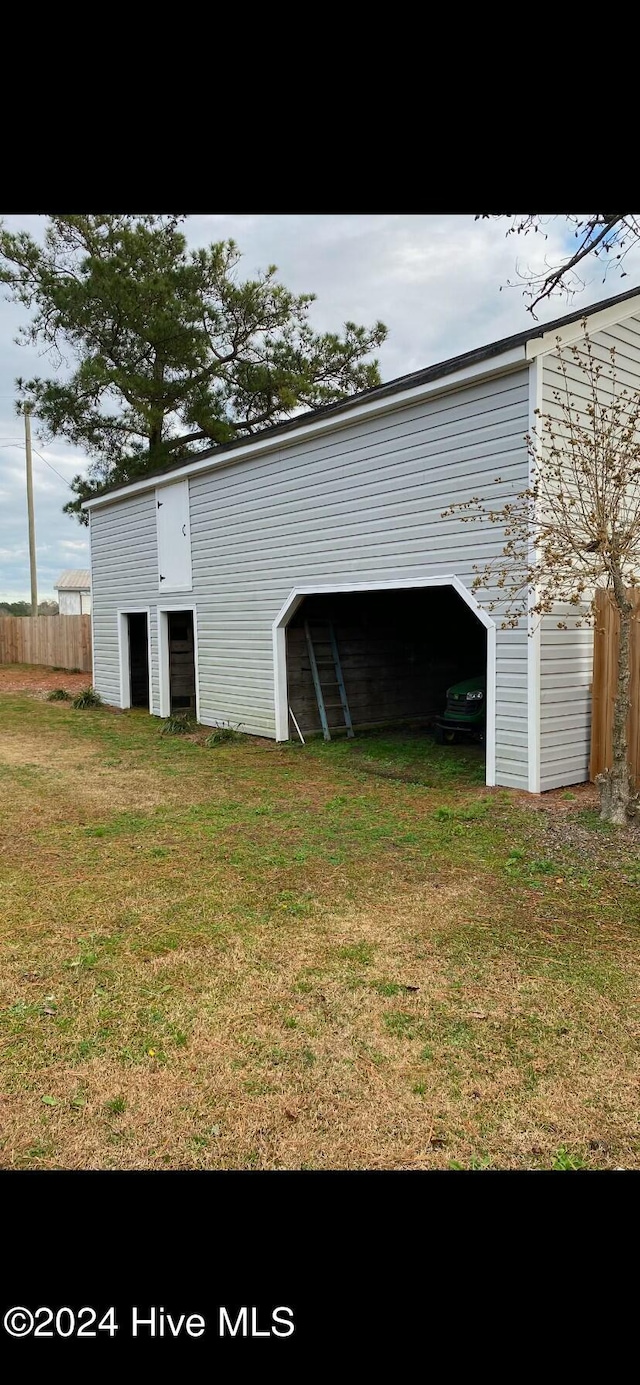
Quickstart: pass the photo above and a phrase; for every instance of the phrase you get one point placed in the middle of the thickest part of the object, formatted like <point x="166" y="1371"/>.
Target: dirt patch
<point x="567" y="800"/>
<point x="571" y="822"/>
<point x="34" y="678"/>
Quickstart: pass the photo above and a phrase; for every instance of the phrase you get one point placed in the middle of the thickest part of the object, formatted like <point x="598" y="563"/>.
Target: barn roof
<point x="402" y="382"/>
<point x="76" y="579"/>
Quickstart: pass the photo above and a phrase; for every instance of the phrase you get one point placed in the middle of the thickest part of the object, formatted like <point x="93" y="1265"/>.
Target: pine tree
<point x="172" y="351"/>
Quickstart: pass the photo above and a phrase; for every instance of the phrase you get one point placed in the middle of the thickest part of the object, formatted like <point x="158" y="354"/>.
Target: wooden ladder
<point x="323" y="655"/>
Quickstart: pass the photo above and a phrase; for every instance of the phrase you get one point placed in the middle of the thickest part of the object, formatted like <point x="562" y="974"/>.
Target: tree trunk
<point x="157" y="413"/>
<point x="155" y="438"/>
<point x="617" y="801"/>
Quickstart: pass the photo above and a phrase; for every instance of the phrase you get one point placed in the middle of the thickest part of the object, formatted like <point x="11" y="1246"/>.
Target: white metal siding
<point x="69" y="603"/>
<point x="566" y="664"/>
<point x="362" y="503"/>
<point x="124" y="568"/>
<point x="566" y="656"/>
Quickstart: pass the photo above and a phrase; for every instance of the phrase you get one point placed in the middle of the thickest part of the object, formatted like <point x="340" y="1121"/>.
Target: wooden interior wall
<point x="182" y="675"/>
<point x="139" y="658"/>
<point x="399" y="651"/>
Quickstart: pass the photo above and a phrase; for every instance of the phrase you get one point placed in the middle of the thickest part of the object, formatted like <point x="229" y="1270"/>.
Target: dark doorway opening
<point x="182" y="662"/>
<point x="139" y="659"/>
<point x="399" y="653"/>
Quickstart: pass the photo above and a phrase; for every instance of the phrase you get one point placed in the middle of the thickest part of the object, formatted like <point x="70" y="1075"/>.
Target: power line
<point x="52" y="468"/>
<point x="38" y="454"/>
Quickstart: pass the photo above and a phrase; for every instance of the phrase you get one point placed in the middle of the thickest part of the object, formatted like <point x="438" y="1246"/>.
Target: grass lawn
<point x="350" y="955"/>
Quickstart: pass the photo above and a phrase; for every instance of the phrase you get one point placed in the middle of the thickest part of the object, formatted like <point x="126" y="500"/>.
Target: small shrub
<point x="87" y="697"/>
<point x="178" y="725"/>
<point x="59" y="695"/>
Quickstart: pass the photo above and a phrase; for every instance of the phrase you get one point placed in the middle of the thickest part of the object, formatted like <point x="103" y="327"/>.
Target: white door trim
<point x="316" y="589"/>
<point x="163" y="653"/>
<point x="123" y="650"/>
<point x="533" y="622"/>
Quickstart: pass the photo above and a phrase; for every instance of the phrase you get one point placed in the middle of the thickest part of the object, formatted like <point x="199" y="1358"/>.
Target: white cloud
<point x="434" y="280"/>
<point x="7" y="555"/>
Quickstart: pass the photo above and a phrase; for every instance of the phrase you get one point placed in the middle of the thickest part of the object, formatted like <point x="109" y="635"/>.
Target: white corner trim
<point x="533" y="622"/>
<point x="297" y="594"/>
<point x="596" y="322"/>
<point x="163" y="653"/>
<point x="533" y="705"/>
<point x="93" y="636"/>
<point x="123" y="653"/>
<point x="491" y="366"/>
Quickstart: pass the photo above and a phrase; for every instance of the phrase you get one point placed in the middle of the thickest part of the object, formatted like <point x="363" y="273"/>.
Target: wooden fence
<point x="57" y="641"/>
<point x="605" y="654"/>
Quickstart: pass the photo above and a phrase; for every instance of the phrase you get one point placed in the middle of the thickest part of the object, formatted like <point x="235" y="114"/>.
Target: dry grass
<point x="269" y="957"/>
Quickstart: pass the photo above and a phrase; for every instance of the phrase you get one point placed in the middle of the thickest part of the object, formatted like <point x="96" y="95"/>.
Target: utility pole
<point x="32" y="525"/>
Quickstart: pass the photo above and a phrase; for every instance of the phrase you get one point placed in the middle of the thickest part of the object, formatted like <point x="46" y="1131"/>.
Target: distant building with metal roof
<point x="74" y="592"/>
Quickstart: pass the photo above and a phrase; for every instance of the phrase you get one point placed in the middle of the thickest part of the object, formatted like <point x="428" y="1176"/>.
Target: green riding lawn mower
<point x="465" y="712"/>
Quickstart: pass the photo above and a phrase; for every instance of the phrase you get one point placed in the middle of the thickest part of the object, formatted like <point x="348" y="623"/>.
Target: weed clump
<point x="178" y="725"/>
<point x="223" y="732"/>
<point x="87" y="697"/>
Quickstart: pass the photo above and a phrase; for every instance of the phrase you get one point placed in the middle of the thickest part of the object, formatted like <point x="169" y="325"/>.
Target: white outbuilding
<point x="218" y="584"/>
<point x="74" y="592"/>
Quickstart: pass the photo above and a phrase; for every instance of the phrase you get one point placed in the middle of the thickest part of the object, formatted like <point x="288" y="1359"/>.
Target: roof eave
<point x="499" y="364"/>
<point x="495" y="359"/>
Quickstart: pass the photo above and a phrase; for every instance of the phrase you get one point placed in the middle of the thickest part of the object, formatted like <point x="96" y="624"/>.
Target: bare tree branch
<point x="612" y="234"/>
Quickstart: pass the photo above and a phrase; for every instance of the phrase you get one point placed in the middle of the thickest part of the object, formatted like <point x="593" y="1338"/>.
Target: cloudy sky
<point x="434" y="280"/>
